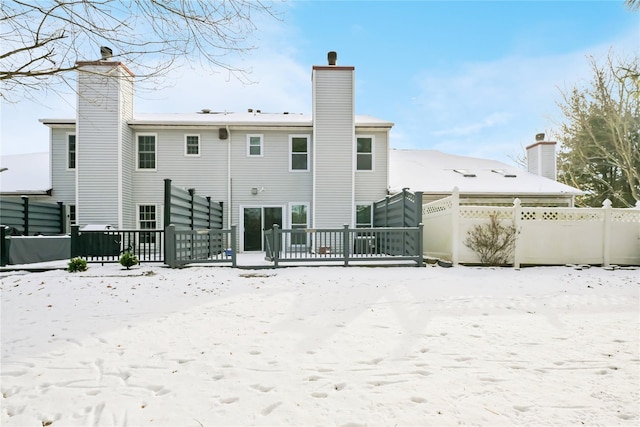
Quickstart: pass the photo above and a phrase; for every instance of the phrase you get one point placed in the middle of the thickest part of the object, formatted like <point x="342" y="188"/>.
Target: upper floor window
<point x="71" y="151"/>
<point x="254" y="146"/>
<point x="364" y="159"/>
<point x="146" y="149"/>
<point x="299" y="149"/>
<point x="192" y="145"/>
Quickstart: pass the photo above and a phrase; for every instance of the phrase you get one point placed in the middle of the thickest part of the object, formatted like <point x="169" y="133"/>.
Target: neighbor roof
<point x="435" y="172"/>
<point x="26" y="174"/>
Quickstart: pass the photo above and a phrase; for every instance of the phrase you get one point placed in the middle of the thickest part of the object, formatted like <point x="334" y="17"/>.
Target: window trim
<point x="373" y="153"/>
<point x="75" y="151"/>
<point x="308" y="153"/>
<point x="251" y="135"/>
<point x="186" y="150"/>
<point x="290" y="219"/>
<point x="158" y="212"/>
<point x="137" y="159"/>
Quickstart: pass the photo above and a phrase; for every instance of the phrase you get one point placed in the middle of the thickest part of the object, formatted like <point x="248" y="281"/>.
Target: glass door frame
<point x="283" y="209"/>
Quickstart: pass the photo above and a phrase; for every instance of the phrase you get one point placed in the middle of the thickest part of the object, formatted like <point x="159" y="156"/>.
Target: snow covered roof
<point x="435" y="172"/>
<point x="234" y="119"/>
<point x="25" y="174"/>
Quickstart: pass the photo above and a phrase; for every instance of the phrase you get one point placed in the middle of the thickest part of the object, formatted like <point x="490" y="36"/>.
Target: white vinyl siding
<point x="206" y="173"/>
<point x="127" y="156"/>
<point x="98" y="138"/>
<point x="298" y="153"/>
<point x="276" y="185"/>
<point x="146" y="151"/>
<point x="63" y="179"/>
<point x="333" y="140"/>
<point x="372" y="185"/>
<point x="255" y="145"/>
<point x="192" y="145"/>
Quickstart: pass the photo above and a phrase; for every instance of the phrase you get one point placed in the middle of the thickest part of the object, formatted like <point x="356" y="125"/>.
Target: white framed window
<point x="255" y="146"/>
<point x="192" y="145"/>
<point x="364" y="216"/>
<point x="147" y="220"/>
<point x="299" y="219"/>
<point x="364" y="153"/>
<point x="146" y="151"/>
<point x="71" y="151"/>
<point x="298" y="153"/>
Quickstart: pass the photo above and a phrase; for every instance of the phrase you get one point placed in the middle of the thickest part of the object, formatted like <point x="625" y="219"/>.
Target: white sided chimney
<point x="541" y="157"/>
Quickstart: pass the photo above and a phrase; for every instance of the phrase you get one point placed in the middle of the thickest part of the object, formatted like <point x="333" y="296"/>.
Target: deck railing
<point x="344" y="244"/>
<point x="200" y="246"/>
<point x="109" y="245"/>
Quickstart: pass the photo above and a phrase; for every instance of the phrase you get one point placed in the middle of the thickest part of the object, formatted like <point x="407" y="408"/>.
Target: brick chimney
<point x="541" y="157"/>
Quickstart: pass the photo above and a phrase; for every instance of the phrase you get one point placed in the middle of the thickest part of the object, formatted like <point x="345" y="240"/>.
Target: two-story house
<point x="295" y="170"/>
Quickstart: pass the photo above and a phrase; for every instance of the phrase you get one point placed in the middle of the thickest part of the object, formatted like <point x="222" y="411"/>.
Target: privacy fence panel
<point x="563" y="235"/>
<point x="29" y="218"/>
<point x="400" y="210"/>
<point x="545" y="235"/>
<point x="437" y="218"/>
<point x="196" y="228"/>
<point x="188" y="211"/>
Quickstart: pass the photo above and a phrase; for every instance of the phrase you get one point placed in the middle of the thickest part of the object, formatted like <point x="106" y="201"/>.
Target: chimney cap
<point x="332" y="57"/>
<point x="105" y="52"/>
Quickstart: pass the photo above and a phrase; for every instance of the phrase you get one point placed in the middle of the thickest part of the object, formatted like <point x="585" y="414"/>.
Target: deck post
<point x="276" y="238"/>
<point x="234" y="246"/>
<point x="170" y="246"/>
<point x="420" y="245"/>
<point x="345" y="244"/>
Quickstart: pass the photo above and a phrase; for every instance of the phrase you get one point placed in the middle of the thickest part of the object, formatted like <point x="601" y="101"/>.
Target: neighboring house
<point x="26" y="175"/>
<point x="299" y="171"/>
<point x="481" y="181"/>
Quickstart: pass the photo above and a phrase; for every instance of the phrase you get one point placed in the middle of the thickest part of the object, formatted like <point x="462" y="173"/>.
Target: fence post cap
<point x="517" y="201"/>
<point x="606" y="203"/>
<point x="638" y="204"/>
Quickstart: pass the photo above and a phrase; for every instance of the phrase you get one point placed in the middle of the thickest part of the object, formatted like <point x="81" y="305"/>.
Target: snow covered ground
<point x="354" y="346"/>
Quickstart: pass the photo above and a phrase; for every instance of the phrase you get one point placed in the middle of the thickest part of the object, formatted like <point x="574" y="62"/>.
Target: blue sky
<point x="477" y="78"/>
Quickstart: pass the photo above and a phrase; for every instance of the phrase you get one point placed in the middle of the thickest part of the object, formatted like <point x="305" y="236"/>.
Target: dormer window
<point x="504" y="173"/>
<point x="466" y="173"/>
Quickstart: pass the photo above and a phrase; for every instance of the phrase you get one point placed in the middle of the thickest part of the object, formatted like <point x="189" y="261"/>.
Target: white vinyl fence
<point x="546" y="236"/>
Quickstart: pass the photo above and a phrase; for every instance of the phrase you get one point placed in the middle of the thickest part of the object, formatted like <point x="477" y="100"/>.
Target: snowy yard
<point x="354" y="346"/>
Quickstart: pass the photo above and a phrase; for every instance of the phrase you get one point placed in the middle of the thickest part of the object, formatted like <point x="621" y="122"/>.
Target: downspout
<point x="314" y="156"/>
<point x="230" y="199"/>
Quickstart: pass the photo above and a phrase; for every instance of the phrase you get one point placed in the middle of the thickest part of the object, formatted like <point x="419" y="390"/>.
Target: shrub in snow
<point x="76" y="264"/>
<point x="493" y="242"/>
<point x="128" y="260"/>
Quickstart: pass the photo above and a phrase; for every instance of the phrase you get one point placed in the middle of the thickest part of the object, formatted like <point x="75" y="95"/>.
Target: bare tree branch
<point x="601" y="134"/>
<point x="43" y="40"/>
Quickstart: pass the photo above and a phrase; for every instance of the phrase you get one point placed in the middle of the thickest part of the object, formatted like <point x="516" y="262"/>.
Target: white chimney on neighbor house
<point x="541" y="157"/>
